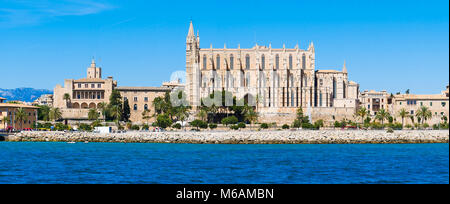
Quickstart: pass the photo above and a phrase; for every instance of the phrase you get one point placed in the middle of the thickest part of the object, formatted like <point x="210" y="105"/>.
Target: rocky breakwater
<point x="244" y="137"/>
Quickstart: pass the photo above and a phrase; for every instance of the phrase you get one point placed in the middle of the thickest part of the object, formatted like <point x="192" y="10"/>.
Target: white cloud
<point x="34" y="12"/>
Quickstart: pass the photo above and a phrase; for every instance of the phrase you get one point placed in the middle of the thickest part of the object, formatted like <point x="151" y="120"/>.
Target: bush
<point x="307" y="126"/>
<point x="296" y="124"/>
<point x="318" y="124"/>
<point x="199" y="124"/>
<point x="135" y="127"/>
<point x="425" y="125"/>
<point x="376" y="126"/>
<point x="96" y="123"/>
<point x="337" y="124"/>
<point x="241" y="125"/>
<point x="229" y="120"/>
<point x="145" y="127"/>
<point x="390" y="130"/>
<point x="163" y="121"/>
<point x="408" y="126"/>
<point x="176" y="126"/>
<point x="85" y="127"/>
<point x="285" y="126"/>
<point x="234" y="127"/>
<point x="212" y="126"/>
<point x="61" y="127"/>
<point x="264" y="126"/>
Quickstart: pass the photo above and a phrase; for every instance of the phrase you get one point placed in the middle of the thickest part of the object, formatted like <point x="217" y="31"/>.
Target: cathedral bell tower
<point x="192" y="60"/>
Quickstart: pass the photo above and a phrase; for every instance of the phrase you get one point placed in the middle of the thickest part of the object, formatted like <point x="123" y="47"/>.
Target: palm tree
<point x="21" y="116"/>
<point x="93" y="114"/>
<point x="6" y="121"/>
<point x="202" y="114"/>
<point x="251" y="115"/>
<point x="362" y="112"/>
<point x="424" y="113"/>
<point x="116" y="113"/>
<point x="66" y="97"/>
<point x="158" y="103"/>
<point x="403" y="113"/>
<point x="55" y="114"/>
<point x="382" y="115"/>
<point x="103" y="106"/>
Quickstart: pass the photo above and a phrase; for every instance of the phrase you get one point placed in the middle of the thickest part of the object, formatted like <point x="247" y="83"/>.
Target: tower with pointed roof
<point x="94" y="72"/>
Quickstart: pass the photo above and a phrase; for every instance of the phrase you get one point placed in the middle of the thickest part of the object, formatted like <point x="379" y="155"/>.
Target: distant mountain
<point x="23" y="94"/>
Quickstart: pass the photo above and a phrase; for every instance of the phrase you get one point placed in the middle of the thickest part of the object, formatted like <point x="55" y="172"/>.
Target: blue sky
<point x="387" y="45"/>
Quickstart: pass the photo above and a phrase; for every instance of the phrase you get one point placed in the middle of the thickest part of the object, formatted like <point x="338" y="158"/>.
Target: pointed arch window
<point x="247" y="62"/>
<point x="304" y="61"/>
<point x="231" y="61"/>
<point x="263" y="62"/>
<point x="218" y="61"/>
<point x="277" y="61"/>
<point x="145" y="107"/>
<point x="204" y="62"/>
<point x="290" y="61"/>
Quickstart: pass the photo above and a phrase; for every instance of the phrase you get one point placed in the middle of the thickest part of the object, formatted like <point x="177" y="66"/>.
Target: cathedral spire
<point x="93" y="62"/>
<point x="344" y="68"/>
<point x="191" y="30"/>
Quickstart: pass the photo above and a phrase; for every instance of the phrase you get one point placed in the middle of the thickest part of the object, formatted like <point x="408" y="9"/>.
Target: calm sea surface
<point x="193" y="163"/>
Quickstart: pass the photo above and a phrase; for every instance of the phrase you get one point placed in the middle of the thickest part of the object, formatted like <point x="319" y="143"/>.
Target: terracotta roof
<point x="14" y="105"/>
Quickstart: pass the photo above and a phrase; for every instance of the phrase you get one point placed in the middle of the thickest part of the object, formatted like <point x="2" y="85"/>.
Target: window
<point x="263" y="62"/>
<point x="304" y="61"/>
<point x="431" y="103"/>
<point x="92" y="85"/>
<point x="443" y="104"/>
<point x="334" y="88"/>
<point x="290" y="61"/>
<point x="421" y="103"/>
<point x="412" y="112"/>
<point x="146" y="99"/>
<point x="218" y="61"/>
<point x="400" y="103"/>
<point x="277" y="61"/>
<point x="231" y="62"/>
<point x="320" y="99"/>
<point x="79" y="85"/>
<point x="98" y="95"/>
<point x="135" y="99"/>
<point x="99" y="85"/>
<point x="145" y="107"/>
<point x="247" y="62"/>
<point x="204" y="62"/>
<point x="86" y="85"/>
<point x="321" y="82"/>
<point x="135" y="107"/>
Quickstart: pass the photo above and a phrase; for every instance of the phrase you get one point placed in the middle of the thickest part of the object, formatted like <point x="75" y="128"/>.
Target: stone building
<point x="438" y="104"/>
<point x="283" y="79"/>
<point x="374" y="101"/>
<point x="44" y="100"/>
<point x="84" y="93"/>
<point x="87" y="93"/>
<point x="8" y="110"/>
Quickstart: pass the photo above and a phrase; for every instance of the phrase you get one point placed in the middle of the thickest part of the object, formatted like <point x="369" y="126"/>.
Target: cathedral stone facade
<point x="280" y="79"/>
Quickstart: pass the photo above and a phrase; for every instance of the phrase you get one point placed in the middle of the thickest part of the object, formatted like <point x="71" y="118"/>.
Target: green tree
<point x="403" y="114"/>
<point x="20" y="116"/>
<point x="93" y="114"/>
<point x="251" y="116"/>
<point x="163" y="121"/>
<point x="198" y="123"/>
<point x="66" y="97"/>
<point x="362" y="113"/>
<point x="423" y="113"/>
<point x="202" y="114"/>
<point x="55" y="114"/>
<point x="382" y="115"/>
<point x="43" y="113"/>
<point x="116" y="113"/>
<point x="6" y="120"/>
<point x="103" y="107"/>
<point x="126" y="111"/>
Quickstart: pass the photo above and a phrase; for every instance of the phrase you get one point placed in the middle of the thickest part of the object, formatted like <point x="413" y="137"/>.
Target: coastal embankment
<point x="243" y="137"/>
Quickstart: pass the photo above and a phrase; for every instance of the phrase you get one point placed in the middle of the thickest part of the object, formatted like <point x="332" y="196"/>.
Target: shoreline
<point x="243" y="137"/>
